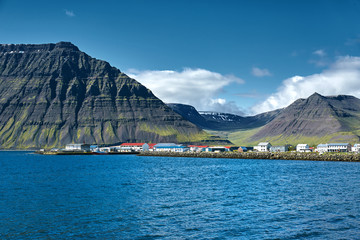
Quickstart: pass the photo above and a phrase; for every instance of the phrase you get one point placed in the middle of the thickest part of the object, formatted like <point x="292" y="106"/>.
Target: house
<point x="321" y="148"/>
<point x="249" y="149"/>
<point x="94" y="148"/>
<point x="334" y="147"/>
<point x="217" y="149"/>
<point x="303" y="148"/>
<point x="151" y="146"/>
<point x="232" y="148"/>
<point x="242" y="149"/>
<point x="108" y="149"/>
<point x="262" y="147"/>
<point x="75" y="147"/>
<point x="284" y="148"/>
<point x="161" y="147"/>
<point x="170" y="147"/>
<point x="196" y="148"/>
<point x="339" y="147"/>
<point x="356" y="148"/>
<point x="133" y="147"/>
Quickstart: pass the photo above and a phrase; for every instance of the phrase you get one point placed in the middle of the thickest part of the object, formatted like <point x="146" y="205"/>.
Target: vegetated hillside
<point x="54" y="94"/>
<point x="317" y="119"/>
<point x="217" y="121"/>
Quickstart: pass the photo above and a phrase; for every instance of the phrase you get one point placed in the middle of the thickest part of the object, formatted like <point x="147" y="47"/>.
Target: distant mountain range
<point x="54" y="94"/>
<point x="313" y="120"/>
<point x="222" y="121"/>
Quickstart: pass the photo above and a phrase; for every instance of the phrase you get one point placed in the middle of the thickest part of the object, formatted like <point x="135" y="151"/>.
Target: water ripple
<point x="129" y="197"/>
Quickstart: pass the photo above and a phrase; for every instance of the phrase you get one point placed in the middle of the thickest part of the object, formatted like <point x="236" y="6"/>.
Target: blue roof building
<point x="170" y="147"/>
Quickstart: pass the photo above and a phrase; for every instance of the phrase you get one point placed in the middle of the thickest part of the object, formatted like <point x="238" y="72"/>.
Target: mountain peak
<point x="22" y="48"/>
<point x="66" y="45"/>
<point x="316" y="95"/>
<point x="314" y="117"/>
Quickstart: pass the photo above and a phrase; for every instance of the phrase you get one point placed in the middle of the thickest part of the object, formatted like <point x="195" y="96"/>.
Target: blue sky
<point x="233" y="56"/>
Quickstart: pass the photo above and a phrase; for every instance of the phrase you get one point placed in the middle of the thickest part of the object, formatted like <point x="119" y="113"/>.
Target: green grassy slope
<point x="243" y="138"/>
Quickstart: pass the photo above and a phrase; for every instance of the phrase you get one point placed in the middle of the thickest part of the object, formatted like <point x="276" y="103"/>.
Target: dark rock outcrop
<point x="54" y="94"/>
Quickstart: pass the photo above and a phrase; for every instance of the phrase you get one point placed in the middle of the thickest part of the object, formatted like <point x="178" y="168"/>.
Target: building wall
<point x="77" y="147"/>
<point x="302" y="148"/>
<point x="279" y="149"/>
<point x="262" y="148"/>
<point x="331" y="147"/>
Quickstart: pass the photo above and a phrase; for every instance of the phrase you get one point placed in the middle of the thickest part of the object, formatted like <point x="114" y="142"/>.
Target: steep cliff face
<point x="191" y="114"/>
<point x="54" y="94"/>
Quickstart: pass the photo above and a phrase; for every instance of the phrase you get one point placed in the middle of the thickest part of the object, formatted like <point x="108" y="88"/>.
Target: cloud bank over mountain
<point x="341" y="77"/>
<point x="196" y="87"/>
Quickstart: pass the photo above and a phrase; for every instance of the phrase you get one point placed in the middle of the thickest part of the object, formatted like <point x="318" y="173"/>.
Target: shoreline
<point x="86" y="153"/>
<point x="334" y="157"/>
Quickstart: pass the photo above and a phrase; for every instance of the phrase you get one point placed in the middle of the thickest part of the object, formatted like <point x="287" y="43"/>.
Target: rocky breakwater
<point x="344" y="157"/>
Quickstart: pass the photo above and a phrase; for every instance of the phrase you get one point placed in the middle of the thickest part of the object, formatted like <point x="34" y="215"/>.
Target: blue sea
<point x="132" y="197"/>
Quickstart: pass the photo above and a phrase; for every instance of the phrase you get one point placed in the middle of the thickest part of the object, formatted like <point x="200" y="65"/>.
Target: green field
<point x="244" y="138"/>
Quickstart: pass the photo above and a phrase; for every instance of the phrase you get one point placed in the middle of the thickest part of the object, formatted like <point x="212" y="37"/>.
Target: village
<point x="133" y="148"/>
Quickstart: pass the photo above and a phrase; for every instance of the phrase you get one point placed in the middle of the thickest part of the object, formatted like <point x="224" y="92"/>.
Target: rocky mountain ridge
<point x="54" y="94"/>
<point x="222" y="121"/>
<point x="315" y="116"/>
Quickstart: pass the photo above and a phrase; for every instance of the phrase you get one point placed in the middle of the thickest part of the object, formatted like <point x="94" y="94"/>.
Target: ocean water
<point x="131" y="197"/>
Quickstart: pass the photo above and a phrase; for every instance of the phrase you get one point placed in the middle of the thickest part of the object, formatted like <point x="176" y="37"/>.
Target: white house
<point x="321" y="148"/>
<point x="197" y="148"/>
<point x="303" y="148"/>
<point x="334" y="147"/>
<point x="133" y="147"/>
<point x="77" y="147"/>
<point x="263" y="147"/>
<point x="356" y="148"/>
<point x="108" y="149"/>
<point x="217" y="149"/>
<point x="339" y="147"/>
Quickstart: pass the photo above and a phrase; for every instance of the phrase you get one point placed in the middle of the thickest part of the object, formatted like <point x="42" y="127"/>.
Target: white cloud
<point x="223" y="106"/>
<point x="69" y="13"/>
<point x="196" y="87"/>
<point x="320" y="53"/>
<point x="321" y="60"/>
<point x="342" y="77"/>
<point x="258" y="72"/>
<point x="353" y="41"/>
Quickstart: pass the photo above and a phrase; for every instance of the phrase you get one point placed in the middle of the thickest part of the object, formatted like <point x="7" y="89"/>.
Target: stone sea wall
<point x="344" y="157"/>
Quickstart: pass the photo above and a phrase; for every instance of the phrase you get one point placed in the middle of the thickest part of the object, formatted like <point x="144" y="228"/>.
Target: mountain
<point x="313" y="120"/>
<point x="227" y="121"/>
<point x="316" y="119"/>
<point x="54" y="94"/>
<point x="222" y="121"/>
<point x="189" y="113"/>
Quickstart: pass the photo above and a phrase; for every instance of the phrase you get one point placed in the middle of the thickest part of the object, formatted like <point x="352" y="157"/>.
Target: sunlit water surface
<point x="131" y="197"/>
